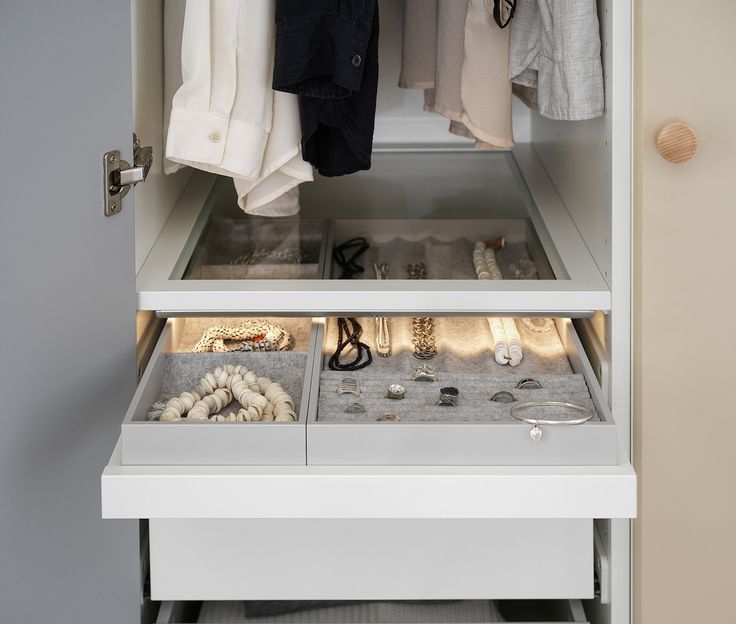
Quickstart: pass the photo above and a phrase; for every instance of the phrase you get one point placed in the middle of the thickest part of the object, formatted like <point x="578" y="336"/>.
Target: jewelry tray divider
<point x="146" y="442"/>
<point x="458" y="435"/>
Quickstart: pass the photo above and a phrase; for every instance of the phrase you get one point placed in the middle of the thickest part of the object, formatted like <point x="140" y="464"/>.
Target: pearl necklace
<point x="506" y="339"/>
<point x="261" y="399"/>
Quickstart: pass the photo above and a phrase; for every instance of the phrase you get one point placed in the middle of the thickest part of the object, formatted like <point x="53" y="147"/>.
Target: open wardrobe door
<point x="68" y="298"/>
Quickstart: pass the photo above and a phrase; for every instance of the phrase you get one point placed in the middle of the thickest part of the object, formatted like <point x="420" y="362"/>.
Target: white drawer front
<point x="376" y="559"/>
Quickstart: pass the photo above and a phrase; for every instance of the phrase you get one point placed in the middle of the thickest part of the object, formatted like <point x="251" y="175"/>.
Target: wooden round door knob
<point x="677" y="142"/>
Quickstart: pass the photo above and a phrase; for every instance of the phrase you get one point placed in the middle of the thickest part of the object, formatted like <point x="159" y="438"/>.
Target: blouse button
<point x="214" y="137"/>
<point x="357" y="60"/>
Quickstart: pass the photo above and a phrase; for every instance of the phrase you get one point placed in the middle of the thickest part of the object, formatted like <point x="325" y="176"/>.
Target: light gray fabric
<point x="474" y="404"/>
<point x="443" y="259"/>
<point x="173" y="28"/>
<point x="556" y="47"/>
<point x="464" y="346"/>
<point x="184" y="370"/>
<point x="465" y="611"/>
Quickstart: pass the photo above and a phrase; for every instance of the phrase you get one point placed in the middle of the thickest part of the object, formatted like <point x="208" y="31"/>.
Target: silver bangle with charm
<point x="536" y="431"/>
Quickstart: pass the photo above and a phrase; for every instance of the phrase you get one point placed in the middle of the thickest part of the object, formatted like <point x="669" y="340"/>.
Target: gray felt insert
<point x="182" y="371"/>
<point x="443" y="259"/>
<point x="464" y="345"/>
<point x="474" y="404"/>
<point x="225" y="240"/>
<point x="299" y="328"/>
<point x="233" y="612"/>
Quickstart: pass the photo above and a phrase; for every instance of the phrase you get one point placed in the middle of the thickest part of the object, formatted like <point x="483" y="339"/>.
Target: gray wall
<point x="67" y="354"/>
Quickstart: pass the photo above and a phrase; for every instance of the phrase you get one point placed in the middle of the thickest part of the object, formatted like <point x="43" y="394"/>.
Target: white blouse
<point x="225" y="117"/>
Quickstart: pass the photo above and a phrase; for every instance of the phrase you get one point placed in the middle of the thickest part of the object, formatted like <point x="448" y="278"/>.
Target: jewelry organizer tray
<point x="444" y="246"/>
<point x="258" y="248"/>
<point x="476" y="431"/>
<point x="174" y="368"/>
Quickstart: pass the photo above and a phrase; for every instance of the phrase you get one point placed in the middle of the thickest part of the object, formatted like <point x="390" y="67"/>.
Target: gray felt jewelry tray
<point x="146" y="442"/>
<point x="477" y="431"/>
<point x="220" y="241"/>
<point x="444" y="245"/>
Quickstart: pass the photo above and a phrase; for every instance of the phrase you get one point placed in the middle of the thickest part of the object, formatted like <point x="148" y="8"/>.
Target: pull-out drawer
<point x="477" y="431"/>
<point x="174" y="368"/>
<point x="411" y="208"/>
<point x="371" y="559"/>
<point x="376" y="612"/>
<point x="360" y="424"/>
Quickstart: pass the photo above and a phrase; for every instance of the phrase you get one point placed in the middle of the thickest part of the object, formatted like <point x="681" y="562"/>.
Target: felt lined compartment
<point x="182" y="371"/>
<point x="474" y="404"/>
<point x="193" y="328"/>
<point x="464" y="360"/>
<point x="464" y="345"/>
<point x="443" y="259"/>
<point x="224" y="240"/>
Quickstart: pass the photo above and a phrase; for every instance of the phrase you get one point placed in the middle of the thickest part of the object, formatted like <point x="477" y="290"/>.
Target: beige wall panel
<point x="685" y="316"/>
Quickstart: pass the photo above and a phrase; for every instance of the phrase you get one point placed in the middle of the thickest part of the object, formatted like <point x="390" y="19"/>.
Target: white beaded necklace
<point x="506" y="339"/>
<point x="260" y="398"/>
<point x="252" y="335"/>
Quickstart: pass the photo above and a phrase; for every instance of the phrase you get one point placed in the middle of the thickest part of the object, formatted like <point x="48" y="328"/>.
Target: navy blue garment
<point x="327" y="53"/>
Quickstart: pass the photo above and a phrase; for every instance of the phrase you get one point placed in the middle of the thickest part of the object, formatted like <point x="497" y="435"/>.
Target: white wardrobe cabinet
<point x="326" y="508"/>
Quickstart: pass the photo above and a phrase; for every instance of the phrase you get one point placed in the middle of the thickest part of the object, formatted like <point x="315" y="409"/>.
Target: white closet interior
<point x="556" y="528"/>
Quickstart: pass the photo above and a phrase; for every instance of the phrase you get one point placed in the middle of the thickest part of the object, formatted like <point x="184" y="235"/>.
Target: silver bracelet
<point x="536" y="431"/>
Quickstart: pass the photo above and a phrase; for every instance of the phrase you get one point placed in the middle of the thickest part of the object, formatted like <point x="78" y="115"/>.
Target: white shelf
<point x="368" y="492"/>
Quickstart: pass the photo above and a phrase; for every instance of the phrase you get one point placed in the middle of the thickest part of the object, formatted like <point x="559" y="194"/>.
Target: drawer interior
<point x="377" y="612"/>
<point x="272" y="350"/>
<point x="465" y="359"/>
<point x="429" y="217"/>
<point x="494" y="420"/>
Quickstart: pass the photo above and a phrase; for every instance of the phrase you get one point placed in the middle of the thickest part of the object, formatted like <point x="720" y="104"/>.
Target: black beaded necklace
<point x="349" y="332"/>
<point x="350" y="266"/>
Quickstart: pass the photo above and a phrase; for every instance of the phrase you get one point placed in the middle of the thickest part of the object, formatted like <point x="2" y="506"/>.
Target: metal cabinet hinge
<point x="120" y="177"/>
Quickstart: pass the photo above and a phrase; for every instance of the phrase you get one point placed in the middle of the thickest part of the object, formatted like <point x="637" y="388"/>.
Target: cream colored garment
<point x="485" y="84"/>
<point x="445" y="97"/>
<point x="419" y="44"/>
<point x="173" y="28"/>
<point x="225" y="117"/>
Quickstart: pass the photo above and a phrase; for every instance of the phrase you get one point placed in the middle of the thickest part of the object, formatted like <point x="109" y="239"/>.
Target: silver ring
<point x="348" y="386"/>
<point x="355" y="408"/>
<point x="424" y="372"/>
<point x="448" y="396"/>
<point x="529" y="384"/>
<point x="395" y="391"/>
<point x="503" y="396"/>
<point x="536" y="431"/>
<point x="388" y="417"/>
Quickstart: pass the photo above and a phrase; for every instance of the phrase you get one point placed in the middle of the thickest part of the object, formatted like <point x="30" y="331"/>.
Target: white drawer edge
<point x="367" y="492"/>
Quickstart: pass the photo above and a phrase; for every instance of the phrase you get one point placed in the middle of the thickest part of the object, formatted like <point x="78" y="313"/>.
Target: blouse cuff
<point x="214" y="143"/>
